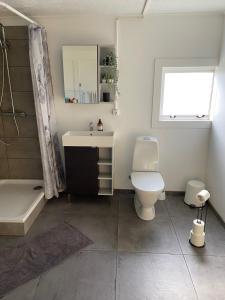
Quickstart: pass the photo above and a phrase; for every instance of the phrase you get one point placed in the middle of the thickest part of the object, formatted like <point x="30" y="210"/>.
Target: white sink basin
<point x="88" y="138"/>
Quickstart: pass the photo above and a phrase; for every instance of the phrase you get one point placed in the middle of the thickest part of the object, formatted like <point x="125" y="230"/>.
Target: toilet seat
<point x="147" y="181"/>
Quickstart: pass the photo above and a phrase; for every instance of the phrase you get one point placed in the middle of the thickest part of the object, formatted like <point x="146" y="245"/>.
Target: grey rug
<point x="28" y="260"/>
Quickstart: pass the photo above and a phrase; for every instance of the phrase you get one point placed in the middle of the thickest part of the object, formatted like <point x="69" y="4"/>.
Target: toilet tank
<point x="146" y="156"/>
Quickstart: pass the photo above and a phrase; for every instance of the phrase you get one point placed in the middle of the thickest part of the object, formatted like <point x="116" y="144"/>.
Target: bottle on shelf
<point x="91" y="126"/>
<point x="100" y="125"/>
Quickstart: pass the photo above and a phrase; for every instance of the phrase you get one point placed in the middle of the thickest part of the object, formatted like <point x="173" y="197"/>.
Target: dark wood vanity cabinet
<point x="82" y="170"/>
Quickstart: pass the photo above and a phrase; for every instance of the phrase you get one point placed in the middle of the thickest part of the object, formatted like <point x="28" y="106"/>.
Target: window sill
<point x="181" y="124"/>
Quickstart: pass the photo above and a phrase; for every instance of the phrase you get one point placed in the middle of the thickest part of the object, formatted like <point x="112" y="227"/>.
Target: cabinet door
<point x="82" y="170"/>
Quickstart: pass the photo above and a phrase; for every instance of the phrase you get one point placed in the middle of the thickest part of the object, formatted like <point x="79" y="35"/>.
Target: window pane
<point x="187" y="93"/>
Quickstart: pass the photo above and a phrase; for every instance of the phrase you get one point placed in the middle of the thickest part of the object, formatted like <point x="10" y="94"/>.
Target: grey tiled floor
<point x="130" y="259"/>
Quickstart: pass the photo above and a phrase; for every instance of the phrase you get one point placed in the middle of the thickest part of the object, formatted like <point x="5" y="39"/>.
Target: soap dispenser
<point x="100" y="125"/>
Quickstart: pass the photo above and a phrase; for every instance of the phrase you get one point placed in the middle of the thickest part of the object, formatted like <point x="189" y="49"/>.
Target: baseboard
<point x="129" y="191"/>
<point x="175" y="193"/>
<point x="123" y="192"/>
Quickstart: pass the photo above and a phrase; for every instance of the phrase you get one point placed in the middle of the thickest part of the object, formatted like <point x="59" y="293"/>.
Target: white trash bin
<point x="193" y="187"/>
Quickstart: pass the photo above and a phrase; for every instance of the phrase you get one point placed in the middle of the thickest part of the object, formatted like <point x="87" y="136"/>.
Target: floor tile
<point x="215" y="236"/>
<point x="101" y="230"/>
<point x="153" y="277"/>
<point x="99" y="205"/>
<point x="155" y="236"/>
<point x="160" y="273"/>
<point x="208" y="274"/>
<point x="58" y="205"/>
<point x="177" y="207"/>
<point x="126" y="206"/>
<point x="84" y="276"/>
<point x="43" y="223"/>
<point x="103" y="206"/>
<point x="23" y="292"/>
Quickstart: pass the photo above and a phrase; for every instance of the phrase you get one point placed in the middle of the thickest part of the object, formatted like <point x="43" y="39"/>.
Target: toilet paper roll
<point x="203" y="196"/>
<point x="197" y="240"/>
<point x="198" y="227"/>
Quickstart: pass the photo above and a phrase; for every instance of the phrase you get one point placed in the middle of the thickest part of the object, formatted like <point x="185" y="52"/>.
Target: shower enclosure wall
<point x="20" y="159"/>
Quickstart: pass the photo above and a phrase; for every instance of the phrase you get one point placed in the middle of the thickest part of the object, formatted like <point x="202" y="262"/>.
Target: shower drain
<point x="38" y="187"/>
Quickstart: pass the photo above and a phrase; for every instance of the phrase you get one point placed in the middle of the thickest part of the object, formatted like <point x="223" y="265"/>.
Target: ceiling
<point x="111" y="7"/>
<point x="176" y="6"/>
<point x="73" y="7"/>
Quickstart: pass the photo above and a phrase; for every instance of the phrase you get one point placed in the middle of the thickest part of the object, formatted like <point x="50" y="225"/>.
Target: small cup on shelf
<point x="106" y="97"/>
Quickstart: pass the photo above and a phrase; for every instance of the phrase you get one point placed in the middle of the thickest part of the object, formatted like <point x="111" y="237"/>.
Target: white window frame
<point x="178" y="65"/>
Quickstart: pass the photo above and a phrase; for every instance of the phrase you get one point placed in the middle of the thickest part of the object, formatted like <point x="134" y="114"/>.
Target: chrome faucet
<point x="91" y="126"/>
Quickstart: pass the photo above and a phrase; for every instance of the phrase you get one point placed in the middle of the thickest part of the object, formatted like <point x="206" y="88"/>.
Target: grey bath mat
<point x="28" y="260"/>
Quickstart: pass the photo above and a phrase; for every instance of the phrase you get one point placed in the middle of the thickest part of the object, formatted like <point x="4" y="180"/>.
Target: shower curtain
<point x="44" y="105"/>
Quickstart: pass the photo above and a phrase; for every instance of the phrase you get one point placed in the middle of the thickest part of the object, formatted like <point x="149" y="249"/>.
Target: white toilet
<point x="146" y="180"/>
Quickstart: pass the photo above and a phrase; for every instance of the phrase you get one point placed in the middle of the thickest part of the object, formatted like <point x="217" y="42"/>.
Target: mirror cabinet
<point x="90" y="74"/>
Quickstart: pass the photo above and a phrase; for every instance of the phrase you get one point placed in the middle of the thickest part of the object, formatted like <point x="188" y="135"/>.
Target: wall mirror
<point x="80" y="69"/>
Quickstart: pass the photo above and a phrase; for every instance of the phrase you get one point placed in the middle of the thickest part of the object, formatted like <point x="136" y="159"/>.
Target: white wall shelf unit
<point x="106" y="171"/>
<point x="107" y="73"/>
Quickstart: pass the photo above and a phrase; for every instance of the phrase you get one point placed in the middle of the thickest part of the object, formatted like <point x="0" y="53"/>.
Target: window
<point x="186" y="94"/>
<point x="183" y="94"/>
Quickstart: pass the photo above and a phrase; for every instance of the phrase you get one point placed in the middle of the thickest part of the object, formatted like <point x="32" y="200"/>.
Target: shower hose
<point x="5" y="65"/>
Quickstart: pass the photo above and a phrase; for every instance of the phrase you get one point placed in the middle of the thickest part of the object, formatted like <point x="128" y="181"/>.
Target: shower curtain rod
<point x="16" y="12"/>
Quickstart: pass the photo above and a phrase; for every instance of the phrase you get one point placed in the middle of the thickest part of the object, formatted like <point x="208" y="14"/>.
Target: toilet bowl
<point x="145" y="178"/>
<point x="148" y="187"/>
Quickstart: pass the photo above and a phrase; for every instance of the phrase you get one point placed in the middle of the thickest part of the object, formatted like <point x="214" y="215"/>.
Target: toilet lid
<point x="147" y="181"/>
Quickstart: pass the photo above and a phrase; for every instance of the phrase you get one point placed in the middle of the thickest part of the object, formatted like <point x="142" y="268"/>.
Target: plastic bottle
<point x="100" y="125"/>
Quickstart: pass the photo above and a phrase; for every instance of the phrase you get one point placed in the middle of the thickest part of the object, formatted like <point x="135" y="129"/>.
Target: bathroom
<point x="127" y="252"/>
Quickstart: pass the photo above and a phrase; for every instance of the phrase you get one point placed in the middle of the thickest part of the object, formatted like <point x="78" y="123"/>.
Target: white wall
<point x="216" y="160"/>
<point x="183" y="152"/>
